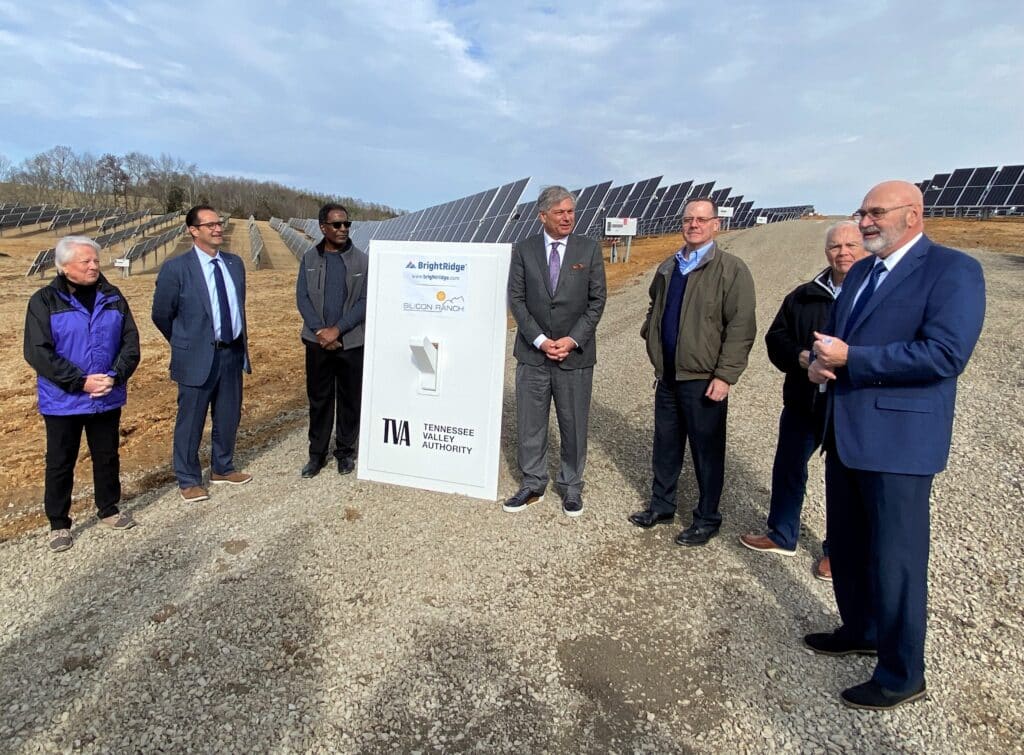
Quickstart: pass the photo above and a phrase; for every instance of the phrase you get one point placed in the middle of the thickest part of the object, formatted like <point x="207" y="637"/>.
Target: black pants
<point x="683" y="413"/>
<point x="334" y="384"/>
<point x="63" y="438"/>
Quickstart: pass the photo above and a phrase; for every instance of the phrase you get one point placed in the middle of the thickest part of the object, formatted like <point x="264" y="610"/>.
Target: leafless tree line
<point x="137" y="181"/>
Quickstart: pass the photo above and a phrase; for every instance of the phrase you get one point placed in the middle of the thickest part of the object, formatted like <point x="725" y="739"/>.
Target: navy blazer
<point x="183" y="313"/>
<point x="573" y="309"/>
<point x="891" y="407"/>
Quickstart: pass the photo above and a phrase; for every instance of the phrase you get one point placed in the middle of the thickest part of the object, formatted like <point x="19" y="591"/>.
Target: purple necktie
<point x="554" y="265"/>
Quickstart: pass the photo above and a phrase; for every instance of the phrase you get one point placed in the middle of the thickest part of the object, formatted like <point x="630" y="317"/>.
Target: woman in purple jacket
<point x="82" y="341"/>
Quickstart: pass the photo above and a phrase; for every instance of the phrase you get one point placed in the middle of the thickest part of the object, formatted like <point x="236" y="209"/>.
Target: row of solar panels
<point x="17" y="215"/>
<point x="295" y="241"/>
<point x="45" y="259"/>
<point x="975" y="191"/>
<point x="255" y="242"/>
<point x="498" y="215"/>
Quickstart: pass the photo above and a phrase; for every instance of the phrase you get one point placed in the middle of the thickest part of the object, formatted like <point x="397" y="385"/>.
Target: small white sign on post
<point x="122" y="262"/>
<point x="620" y="226"/>
<point x="434" y="366"/>
<point x="725" y="212"/>
<point x="762" y="220"/>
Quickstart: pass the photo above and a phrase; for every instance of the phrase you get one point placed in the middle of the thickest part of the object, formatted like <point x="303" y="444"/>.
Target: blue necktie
<point x="862" y="300"/>
<point x="227" y="332"/>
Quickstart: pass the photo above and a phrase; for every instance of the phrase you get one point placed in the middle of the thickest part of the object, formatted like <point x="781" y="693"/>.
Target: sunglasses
<point x="339" y="224"/>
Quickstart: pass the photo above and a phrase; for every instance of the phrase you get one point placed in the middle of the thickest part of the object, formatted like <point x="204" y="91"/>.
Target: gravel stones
<point x="337" y="615"/>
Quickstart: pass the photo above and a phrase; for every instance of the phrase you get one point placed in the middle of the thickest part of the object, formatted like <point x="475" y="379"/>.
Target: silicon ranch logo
<point x="443" y="304"/>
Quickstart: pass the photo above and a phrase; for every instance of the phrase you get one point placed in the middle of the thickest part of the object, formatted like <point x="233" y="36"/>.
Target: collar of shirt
<point x="561" y="246"/>
<point x="687" y="266"/>
<point x="893" y="259"/>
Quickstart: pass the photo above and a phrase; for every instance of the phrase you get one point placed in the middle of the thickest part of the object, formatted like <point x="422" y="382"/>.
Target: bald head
<point x="891" y="214"/>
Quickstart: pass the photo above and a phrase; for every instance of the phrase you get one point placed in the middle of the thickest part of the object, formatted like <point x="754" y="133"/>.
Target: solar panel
<point x="981" y="177"/>
<point x="939" y="181"/>
<point x="971" y="196"/>
<point x="1017" y="196"/>
<point x="498" y="215"/>
<point x="719" y="196"/>
<point x="960" y="177"/>
<point x="589" y="203"/>
<point x="997" y="195"/>
<point x="949" y="196"/>
<point x="639" y="198"/>
<point x="1009" y="175"/>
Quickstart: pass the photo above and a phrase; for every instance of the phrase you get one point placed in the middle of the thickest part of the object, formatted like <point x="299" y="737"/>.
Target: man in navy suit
<point x="199" y="306"/>
<point x="899" y="336"/>
<point x="556" y="292"/>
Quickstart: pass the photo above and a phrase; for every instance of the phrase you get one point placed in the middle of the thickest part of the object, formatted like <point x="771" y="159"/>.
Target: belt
<point x="226" y="344"/>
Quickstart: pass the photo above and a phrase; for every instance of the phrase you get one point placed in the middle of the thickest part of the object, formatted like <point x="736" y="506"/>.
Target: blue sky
<point x="414" y="102"/>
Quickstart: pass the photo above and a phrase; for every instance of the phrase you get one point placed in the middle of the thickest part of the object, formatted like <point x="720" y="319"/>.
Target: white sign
<point x="725" y="212"/>
<point x="434" y="366"/>
<point x="122" y="262"/>
<point x="620" y="226"/>
<point x="762" y="220"/>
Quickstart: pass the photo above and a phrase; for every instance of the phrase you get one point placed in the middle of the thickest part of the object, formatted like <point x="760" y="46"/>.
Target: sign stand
<point x="434" y="366"/>
<point x="620" y="227"/>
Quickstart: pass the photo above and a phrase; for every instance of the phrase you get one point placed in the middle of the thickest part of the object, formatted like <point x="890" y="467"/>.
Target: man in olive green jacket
<point x="699" y="330"/>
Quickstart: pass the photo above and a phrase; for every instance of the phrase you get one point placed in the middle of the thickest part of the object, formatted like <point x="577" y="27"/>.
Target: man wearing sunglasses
<point x="900" y="334"/>
<point x="331" y="296"/>
<point x="199" y="307"/>
<point x="699" y="330"/>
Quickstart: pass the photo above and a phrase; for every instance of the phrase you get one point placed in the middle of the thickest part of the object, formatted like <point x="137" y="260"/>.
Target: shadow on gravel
<point x="208" y="652"/>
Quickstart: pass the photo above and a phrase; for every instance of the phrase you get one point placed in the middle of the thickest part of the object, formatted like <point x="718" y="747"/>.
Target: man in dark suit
<point x="699" y="330"/>
<point x="199" y="307"/>
<point x="556" y="291"/>
<point x="899" y="336"/>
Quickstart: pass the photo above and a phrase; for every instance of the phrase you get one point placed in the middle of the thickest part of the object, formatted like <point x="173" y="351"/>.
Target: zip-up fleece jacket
<point x="313" y="272"/>
<point x="64" y="343"/>
<point x="717" y="323"/>
<point x="804" y="310"/>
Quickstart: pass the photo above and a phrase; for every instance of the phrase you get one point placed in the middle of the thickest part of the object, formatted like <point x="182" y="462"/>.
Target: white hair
<point x="841" y="224"/>
<point x="66" y="247"/>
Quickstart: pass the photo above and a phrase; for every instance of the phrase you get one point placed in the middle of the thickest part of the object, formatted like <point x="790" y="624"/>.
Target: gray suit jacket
<point x="182" y="312"/>
<point x="572" y="309"/>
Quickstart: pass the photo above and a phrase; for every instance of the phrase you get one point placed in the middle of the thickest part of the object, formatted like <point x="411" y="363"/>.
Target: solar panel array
<point x="975" y="192"/>
<point x="298" y="243"/>
<point x="79" y="216"/>
<point x="122" y="219"/>
<point x="18" y="216"/>
<point x="153" y="243"/>
<point x="255" y="242"/>
<point x="499" y="215"/>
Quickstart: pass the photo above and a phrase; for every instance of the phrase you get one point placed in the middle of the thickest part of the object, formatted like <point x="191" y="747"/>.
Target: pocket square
<point x="578" y="266"/>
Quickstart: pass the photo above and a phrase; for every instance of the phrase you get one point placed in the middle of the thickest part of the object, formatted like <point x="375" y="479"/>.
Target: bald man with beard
<point x="899" y="336"/>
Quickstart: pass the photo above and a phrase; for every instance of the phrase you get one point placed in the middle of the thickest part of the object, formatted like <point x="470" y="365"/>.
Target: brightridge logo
<point x="411" y="265"/>
<point x="451" y="267"/>
<point x="396" y="431"/>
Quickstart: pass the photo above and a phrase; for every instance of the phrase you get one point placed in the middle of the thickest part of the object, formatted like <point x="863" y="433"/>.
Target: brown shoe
<point x="194" y="494"/>
<point x="122" y="521"/>
<point x="231" y="478"/>
<point x="823" y="569"/>
<point x="764" y="544"/>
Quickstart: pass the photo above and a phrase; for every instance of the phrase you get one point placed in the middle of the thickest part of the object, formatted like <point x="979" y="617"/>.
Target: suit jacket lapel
<point x="540" y="255"/>
<point x="195" y="269"/>
<point x="906" y="267"/>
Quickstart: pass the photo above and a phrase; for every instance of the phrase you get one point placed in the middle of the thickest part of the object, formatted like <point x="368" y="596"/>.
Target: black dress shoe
<point x="696" y="535"/>
<point x="346" y="465"/>
<point x="834" y="643"/>
<point x="648" y="518"/>
<point x="312" y="468"/>
<point x="572" y="506"/>
<point x="524" y="497"/>
<point x="872" y="696"/>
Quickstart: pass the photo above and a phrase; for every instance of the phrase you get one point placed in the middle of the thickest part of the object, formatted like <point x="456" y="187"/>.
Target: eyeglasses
<point x="215" y="224"/>
<point x="697" y="221"/>
<point x="339" y="224"/>
<point x="877" y="212"/>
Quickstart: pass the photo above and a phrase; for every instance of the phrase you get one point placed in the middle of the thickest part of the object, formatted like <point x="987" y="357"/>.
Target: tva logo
<point x="396" y="431"/>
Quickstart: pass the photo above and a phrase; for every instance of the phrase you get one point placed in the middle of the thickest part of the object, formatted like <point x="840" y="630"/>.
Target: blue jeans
<point x="797" y="441"/>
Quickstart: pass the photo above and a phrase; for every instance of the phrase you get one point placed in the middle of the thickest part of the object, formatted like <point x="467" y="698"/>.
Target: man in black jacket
<point x="330" y="293"/>
<point x="805" y="310"/>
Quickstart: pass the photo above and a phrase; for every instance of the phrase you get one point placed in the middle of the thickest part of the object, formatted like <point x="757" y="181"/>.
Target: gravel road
<point x="337" y="615"/>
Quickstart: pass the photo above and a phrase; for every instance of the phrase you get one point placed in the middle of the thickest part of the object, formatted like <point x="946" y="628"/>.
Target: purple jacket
<point x="64" y="342"/>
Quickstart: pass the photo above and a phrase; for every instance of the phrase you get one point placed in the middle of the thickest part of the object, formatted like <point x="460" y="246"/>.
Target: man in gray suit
<point x="199" y="307"/>
<point x="556" y="292"/>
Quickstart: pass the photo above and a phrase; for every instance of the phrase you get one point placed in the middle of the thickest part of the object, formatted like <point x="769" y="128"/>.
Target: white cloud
<point x="415" y="102"/>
